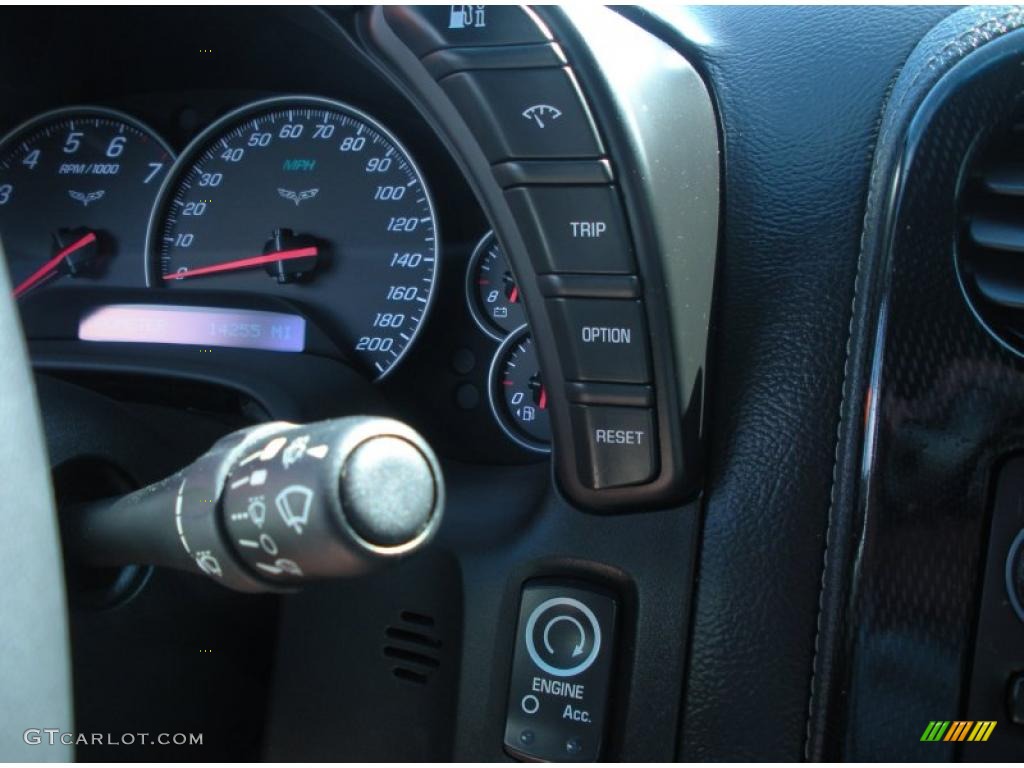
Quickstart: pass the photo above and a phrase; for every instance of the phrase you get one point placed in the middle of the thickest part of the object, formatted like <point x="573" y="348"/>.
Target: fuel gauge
<point x="518" y="396"/>
<point x="492" y="293"/>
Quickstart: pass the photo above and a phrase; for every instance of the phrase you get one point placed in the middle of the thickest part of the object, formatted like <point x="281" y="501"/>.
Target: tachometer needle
<point x="51" y="266"/>
<point x="247" y="263"/>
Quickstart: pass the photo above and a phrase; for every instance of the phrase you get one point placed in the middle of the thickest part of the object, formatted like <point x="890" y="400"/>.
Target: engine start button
<point x="561" y="672"/>
<point x="563" y="637"/>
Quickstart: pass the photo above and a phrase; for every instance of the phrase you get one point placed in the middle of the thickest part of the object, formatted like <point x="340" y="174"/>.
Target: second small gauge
<point x="491" y="291"/>
<point x="518" y="396"/>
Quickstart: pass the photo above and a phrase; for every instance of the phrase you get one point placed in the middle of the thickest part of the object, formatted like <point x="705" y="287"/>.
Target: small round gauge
<point x="76" y="189"/>
<point x="309" y="200"/>
<point x="493" y="296"/>
<point x="518" y="397"/>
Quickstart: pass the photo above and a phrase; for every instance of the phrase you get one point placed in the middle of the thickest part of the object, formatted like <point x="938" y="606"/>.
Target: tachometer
<point x="311" y="200"/>
<point x="76" y="189"/>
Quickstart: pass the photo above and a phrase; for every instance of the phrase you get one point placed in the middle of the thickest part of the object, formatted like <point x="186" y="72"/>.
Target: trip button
<point x="426" y="28"/>
<point x="561" y="672"/>
<point x="601" y="340"/>
<point x="525" y="113"/>
<point x="615" y="446"/>
<point x="573" y="229"/>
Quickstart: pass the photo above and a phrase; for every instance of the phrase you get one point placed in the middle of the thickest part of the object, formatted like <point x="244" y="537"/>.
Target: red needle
<point x="514" y="295"/>
<point x="543" y="402"/>
<point x="252" y="261"/>
<point x="52" y="264"/>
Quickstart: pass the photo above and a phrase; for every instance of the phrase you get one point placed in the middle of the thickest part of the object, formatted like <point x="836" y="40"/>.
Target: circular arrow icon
<point x="570" y="609"/>
<point x="578" y="649"/>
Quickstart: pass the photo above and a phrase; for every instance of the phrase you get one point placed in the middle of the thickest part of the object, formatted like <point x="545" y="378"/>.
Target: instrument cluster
<point x="306" y="199"/>
<point x="322" y="218"/>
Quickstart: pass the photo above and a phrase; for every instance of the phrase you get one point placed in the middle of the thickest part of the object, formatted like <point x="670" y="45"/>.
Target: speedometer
<point x="310" y="200"/>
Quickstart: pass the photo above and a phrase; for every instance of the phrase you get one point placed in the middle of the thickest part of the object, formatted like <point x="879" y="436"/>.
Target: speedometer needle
<point x="247" y="263"/>
<point x="50" y="266"/>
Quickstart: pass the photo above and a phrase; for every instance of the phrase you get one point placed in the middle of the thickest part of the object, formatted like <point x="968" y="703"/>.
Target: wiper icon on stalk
<point x="298" y="197"/>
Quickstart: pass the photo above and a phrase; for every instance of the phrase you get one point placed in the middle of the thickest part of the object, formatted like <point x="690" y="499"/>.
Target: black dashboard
<point x="706" y="318"/>
<point x="323" y="216"/>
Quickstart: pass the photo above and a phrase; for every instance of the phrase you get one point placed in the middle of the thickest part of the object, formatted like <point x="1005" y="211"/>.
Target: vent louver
<point x="412" y="647"/>
<point x="991" y="248"/>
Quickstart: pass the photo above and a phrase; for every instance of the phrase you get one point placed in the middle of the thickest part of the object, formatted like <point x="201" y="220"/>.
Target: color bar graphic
<point x="958" y="730"/>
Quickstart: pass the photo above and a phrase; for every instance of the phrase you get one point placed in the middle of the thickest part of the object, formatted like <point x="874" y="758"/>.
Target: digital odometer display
<point x="310" y="200"/>
<point x="194" y="326"/>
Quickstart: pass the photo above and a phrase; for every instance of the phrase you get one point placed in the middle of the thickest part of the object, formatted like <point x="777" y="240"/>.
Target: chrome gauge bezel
<point x="89" y="110"/>
<point x="225" y="122"/>
<point x="472" y="301"/>
<point x="495" y="395"/>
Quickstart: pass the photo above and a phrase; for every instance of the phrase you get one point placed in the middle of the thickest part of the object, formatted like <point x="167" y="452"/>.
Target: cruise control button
<point x="525" y="113"/>
<point x="426" y="28"/>
<point x="614" y="446"/>
<point x="573" y="229"/>
<point x="601" y="340"/>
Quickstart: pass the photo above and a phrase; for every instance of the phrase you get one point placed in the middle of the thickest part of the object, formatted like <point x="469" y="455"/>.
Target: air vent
<point x="413" y="647"/>
<point x="991" y="249"/>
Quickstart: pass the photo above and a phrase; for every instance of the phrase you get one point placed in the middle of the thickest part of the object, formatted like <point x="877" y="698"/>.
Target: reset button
<point x="614" y="446"/>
